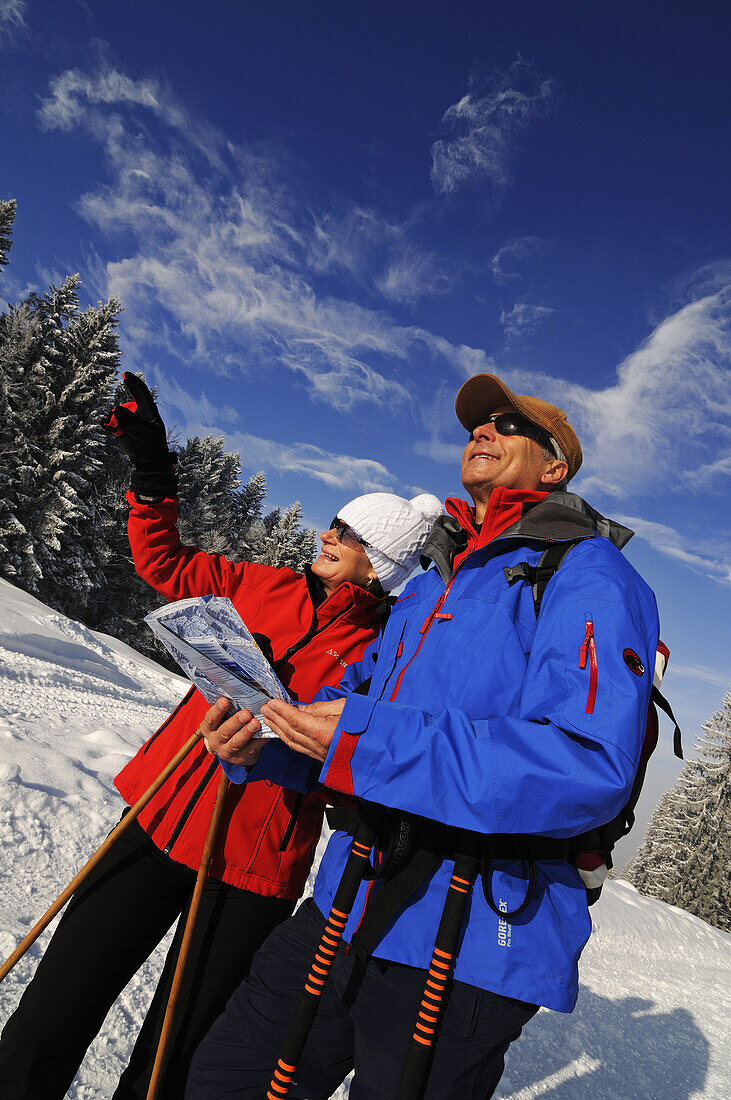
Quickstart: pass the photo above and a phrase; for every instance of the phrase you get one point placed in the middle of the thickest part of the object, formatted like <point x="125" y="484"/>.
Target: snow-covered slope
<point x="652" y="1018"/>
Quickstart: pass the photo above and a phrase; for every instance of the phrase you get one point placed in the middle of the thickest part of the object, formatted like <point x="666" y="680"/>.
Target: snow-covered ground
<point x="653" y="1014"/>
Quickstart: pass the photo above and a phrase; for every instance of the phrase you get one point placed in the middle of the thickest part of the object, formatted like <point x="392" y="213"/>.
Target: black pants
<point x="365" y="1021"/>
<point x="108" y="930"/>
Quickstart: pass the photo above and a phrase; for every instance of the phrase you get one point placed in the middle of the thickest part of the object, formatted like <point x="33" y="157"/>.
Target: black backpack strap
<point x="660" y="701"/>
<point x="538" y="575"/>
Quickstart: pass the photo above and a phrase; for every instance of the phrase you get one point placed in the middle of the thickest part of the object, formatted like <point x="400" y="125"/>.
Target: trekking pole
<point x="89" y="866"/>
<point x="167" y="1024"/>
<point x="421" y="1048"/>
<point x="294" y="1041"/>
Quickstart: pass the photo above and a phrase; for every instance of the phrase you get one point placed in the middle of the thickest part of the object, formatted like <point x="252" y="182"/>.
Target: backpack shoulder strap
<point x="538" y="575"/>
<point x="660" y="701"/>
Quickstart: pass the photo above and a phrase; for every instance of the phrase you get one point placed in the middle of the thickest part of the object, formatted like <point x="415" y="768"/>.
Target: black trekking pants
<point x="364" y="1021"/>
<point x="108" y="930"/>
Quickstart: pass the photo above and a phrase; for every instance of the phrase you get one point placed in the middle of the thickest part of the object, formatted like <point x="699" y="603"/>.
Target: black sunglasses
<point x="514" y="423"/>
<point x="345" y="533"/>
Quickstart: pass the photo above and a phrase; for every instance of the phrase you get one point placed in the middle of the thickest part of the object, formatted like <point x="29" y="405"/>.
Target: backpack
<point x="593" y="858"/>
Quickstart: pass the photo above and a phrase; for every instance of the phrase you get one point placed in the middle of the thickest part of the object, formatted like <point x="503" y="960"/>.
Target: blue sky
<point x="322" y="217"/>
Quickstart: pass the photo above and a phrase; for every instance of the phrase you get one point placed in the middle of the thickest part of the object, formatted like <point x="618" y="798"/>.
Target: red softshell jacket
<point x="267" y="836"/>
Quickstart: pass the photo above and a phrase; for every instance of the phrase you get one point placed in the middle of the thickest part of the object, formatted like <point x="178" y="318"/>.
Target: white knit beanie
<point x="395" y="530"/>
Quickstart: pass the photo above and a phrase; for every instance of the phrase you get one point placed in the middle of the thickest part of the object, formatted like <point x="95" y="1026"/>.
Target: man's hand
<point x="231" y="738"/>
<point x="308" y="730"/>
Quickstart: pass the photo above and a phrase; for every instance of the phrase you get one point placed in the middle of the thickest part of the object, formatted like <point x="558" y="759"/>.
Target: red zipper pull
<point x="588" y="652"/>
<point x="589" y="634"/>
<point x="431" y="616"/>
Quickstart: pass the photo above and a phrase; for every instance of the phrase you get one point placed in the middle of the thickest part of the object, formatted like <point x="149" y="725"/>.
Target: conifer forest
<point x="63" y="513"/>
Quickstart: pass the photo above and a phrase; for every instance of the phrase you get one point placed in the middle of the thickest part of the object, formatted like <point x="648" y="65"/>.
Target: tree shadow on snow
<point x="607" y="1049"/>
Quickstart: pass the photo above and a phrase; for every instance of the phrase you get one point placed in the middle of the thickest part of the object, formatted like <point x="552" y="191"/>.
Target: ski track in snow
<point x="653" y="1010"/>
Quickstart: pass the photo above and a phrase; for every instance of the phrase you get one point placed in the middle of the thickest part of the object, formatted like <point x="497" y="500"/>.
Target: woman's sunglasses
<point x="345" y="533"/>
<point x="514" y="423"/>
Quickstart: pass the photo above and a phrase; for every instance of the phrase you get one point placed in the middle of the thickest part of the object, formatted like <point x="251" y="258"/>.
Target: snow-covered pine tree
<point x="209" y="480"/>
<point x="248" y="524"/>
<point x="81" y="361"/>
<point x="7" y="217"/>
<point x="285" y="542"/>
<point x="685" y="859"/>
<point x="27" y="334"/>
<point x="15" y="343"/>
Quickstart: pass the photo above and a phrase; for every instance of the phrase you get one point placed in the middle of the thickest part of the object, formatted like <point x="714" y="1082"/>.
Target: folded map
<point x="211" y="643"/>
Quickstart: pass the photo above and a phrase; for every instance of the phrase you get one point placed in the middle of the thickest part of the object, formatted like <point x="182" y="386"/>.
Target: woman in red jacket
<point x="317" y="623"/>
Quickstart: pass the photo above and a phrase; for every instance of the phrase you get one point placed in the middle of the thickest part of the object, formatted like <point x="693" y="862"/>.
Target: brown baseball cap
<point x="483" y="393"/>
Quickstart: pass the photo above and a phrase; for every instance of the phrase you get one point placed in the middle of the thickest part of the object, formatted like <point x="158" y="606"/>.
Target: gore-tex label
<point x="504" y="930"/>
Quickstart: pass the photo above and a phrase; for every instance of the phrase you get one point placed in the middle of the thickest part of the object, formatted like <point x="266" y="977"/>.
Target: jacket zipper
<point x="297" y="806"/>
<point x="424" y="631"/>
<point x="588" y="649"/>
<point x="169" y="719"/>
<point x="191" y="802"/>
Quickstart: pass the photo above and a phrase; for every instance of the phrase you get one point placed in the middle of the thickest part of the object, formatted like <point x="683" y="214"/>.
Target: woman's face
<point x="340" y="561"/>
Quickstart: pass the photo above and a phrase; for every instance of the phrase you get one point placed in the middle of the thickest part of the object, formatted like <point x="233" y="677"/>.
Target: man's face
<point x="491" y="459"/>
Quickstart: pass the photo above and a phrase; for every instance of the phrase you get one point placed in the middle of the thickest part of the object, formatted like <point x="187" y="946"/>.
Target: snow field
<point x="653" y="1011"/>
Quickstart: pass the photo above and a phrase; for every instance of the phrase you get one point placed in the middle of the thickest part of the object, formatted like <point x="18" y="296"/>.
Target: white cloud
<point x="338" y="471"/>
<point x="511" y="255"/>
<point x="225" y="268"/>
<point x="662" y="430"/>
<point x="379" y="256"/>
<point x="712" y="676"/>
<point x="479" y="129"/>
<point x="198" y="416"/>
<point x="672" y="544"/>
<point x="523" y="319"/>
<point x="12" y="17"/>
<point x="172" y="395"/>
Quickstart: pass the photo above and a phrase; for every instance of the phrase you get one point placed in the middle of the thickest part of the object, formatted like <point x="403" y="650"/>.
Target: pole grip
<point x="423" y="1040"/>
<point x="294" y="1041"/>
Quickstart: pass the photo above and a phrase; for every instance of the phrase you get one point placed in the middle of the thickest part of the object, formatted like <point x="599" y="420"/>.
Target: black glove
<point x="140" y="433"/>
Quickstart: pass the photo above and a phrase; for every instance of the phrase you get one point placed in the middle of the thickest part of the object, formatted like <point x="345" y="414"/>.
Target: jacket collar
<point x="555" y="517"/>
<point x="347" y="599"/>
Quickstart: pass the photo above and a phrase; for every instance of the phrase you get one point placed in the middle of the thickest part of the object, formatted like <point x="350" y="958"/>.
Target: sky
<point x="322" y="217"/>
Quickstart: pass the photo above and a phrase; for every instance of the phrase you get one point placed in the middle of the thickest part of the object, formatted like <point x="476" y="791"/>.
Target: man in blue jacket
<point x="482" y="716"/>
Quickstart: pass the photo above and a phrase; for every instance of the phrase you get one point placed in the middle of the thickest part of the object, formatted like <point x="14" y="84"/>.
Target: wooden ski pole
<point x="158" y="1068"/>
<point x="421" y="1048"/>
<point x="301" y="1023"/>
<point x="89" y="866"/>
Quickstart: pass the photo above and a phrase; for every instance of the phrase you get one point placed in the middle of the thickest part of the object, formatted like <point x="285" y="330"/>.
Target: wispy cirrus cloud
<point x="666" y="418"/>
<point x="480" y="129"/>
<point x="523" y="319"/>
<point x="379" y="256"/>
<point x="712" y="676"/>
<point x="659" y="432"/>
<point x="227" y="265"/>
<point x="197" y="416"/>
<point x="672" y="544"/>
<point x="12" y="18"/>
<point x="512" y="255"/>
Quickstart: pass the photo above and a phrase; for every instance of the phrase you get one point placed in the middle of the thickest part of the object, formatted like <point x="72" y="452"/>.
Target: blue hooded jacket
<point x="485" y="718"/>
